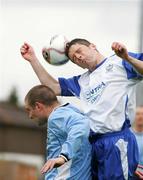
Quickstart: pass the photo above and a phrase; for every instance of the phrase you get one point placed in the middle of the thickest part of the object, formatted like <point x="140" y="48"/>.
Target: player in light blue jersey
<point x="137" y="129"/>
<point x="107" y="92"/>
<point x="68" y="148"/>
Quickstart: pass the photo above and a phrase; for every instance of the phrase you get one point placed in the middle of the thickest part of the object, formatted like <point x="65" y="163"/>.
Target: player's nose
<point x="30" y="116"/>
<point x="79" y="56"/>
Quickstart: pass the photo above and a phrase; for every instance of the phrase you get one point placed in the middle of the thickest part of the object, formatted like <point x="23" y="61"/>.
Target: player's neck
<point x="98" y="59"/>
<point x="53" y="107"/>
<point x="56" y="105"/>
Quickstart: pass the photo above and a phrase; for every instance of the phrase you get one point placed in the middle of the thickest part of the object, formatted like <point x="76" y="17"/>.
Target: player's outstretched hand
<point x="139" y="172"/>
<point x="52" y="163"/>
<point x="27" y="52"/>
<point x="120" y="50"/>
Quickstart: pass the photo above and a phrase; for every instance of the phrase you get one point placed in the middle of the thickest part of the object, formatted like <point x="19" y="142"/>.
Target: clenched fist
<point x="27" y="52"/>
<point x="120" y="50"/>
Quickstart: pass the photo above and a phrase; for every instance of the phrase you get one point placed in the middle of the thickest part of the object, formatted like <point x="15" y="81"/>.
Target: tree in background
<point x="13" y="97"/>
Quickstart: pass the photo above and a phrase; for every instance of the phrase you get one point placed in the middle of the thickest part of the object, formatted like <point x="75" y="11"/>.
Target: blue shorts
<point x="114" y="155"/>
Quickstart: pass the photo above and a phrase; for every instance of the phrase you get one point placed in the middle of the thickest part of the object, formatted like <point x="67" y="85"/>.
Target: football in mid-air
<point x="55" y="53"/>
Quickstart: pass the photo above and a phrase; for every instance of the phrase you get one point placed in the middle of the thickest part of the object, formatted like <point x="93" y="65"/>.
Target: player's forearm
<point x="137" y="64"/>
<point x="71" y="147"/>
<point x="44" y="77"/>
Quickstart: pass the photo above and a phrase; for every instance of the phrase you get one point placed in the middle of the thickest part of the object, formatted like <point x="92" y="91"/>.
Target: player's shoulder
<point x="66" y="114"/>
<point x="114" y="59"/>
<point x="71" y="109"/>
<point x="58" y="117"/>
<point x="61" y="111"/>
<point x="66" y="110"/>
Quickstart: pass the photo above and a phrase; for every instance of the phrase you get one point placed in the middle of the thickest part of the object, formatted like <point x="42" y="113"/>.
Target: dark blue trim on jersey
<point x="126" y="105"/>
<point x="70" y="87"/>
<point x="126" y="123"/>
<point x="131" y="71"/>
<point x="98" y="65"/>
<point x="95" y="136"/>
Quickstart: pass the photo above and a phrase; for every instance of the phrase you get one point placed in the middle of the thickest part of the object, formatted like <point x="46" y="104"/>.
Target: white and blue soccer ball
<point x="55" y="53"/>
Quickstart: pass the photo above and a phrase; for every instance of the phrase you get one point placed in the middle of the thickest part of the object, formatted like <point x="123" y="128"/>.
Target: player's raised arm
<point x="122" y="52"/>
<point x="45" y="78"/>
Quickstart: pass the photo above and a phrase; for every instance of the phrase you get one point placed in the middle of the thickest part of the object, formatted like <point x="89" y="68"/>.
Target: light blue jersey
<point x="139" y="138"/>
<point x="68" y="132"/>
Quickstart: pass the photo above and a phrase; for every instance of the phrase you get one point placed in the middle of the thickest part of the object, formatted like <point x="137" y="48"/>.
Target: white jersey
<point x="107" y="93"/>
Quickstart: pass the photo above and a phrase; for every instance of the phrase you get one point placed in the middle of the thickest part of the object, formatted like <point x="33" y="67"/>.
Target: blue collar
<point x="98" y="65"/>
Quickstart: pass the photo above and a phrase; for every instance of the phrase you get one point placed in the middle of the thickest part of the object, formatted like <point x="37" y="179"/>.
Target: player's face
<point x="139" y="116"/>
<point x="83" y="56"/>
<point x="36" y="113"/>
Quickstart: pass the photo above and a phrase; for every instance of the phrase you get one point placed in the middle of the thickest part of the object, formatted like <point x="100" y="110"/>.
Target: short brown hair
<point x="42" y="94"/>
<point x="75" y="41"/>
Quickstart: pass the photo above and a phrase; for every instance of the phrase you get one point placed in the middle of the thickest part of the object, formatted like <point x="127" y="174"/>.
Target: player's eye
<point x="79" y="51"/>
<point x="73" y="59"/>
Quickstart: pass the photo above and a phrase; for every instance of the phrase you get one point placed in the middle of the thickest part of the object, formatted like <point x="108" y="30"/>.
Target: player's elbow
<point x="55" y="87"/>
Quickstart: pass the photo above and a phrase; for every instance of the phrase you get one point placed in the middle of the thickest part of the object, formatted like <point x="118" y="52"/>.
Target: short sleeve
<point x="70" y="87"/>
<point x="130" y="70"/>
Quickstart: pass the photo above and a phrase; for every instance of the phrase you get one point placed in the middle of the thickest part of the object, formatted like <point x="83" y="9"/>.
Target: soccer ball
<point x="55" y="53"/>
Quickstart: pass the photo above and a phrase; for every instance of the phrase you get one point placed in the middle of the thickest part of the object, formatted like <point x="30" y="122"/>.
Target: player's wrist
<point x="64" y="157"/>
<point x="128" y="58"/>
<point x="34" y="60"/>
<point x="60" y="161"/>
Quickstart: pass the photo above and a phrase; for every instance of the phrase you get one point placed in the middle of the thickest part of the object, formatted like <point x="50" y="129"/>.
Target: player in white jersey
<point x="107" y="91"/>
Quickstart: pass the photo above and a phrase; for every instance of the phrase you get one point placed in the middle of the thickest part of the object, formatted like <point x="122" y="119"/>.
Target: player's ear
<point x="92" y="46"/>
<point x="38" y="105"/>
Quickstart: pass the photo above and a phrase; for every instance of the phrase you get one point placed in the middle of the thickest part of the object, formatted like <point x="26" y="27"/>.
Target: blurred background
<point x="22" y="143"/>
